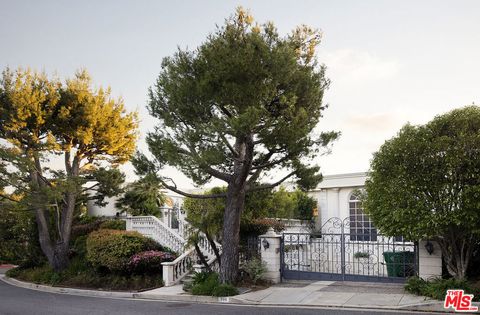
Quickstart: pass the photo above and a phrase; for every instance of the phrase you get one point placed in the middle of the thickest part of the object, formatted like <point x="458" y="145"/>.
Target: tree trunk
<point x="60" y="258"/>
<point x="231" y="233"/>
<point x="456" y="251"/>
<point x="235" y="203"/>
<point x="56" y="250"/>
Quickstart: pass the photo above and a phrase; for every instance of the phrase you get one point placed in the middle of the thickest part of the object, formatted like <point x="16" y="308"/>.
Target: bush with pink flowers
<point x="149" y="262"/>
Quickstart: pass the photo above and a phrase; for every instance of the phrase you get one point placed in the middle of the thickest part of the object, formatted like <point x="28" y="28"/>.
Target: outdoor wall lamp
<point x="265" y="244"/>
<point x="429" y="247"/>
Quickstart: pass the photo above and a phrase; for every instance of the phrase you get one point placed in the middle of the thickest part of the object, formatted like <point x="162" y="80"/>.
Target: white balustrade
<point x="176" y="270"/>
<point x="154" y="228"/>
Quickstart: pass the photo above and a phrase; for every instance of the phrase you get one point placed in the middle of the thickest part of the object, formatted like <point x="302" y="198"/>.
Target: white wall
<point x="108" y="211"/>
<point x="333" y="195"/>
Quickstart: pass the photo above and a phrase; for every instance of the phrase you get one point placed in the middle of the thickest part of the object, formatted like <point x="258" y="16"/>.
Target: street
<point x="19" y="301"/>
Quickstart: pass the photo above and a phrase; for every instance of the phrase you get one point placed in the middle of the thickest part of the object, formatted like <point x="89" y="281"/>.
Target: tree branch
<point x="189" y="195"/>
<point x="205" y="167"/>
<point x="268" y="186"/>
<point x="8" y="198"/>
<point x="89" y="188"/>
<point x="229" y="146"/>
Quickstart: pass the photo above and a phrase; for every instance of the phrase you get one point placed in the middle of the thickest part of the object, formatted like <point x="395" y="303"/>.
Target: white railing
<point x="176" y="270"/>
<point x="154" y="228"/>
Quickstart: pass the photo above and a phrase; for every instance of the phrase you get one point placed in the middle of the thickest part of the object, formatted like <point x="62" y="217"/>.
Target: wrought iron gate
<point x="347" y="252"/>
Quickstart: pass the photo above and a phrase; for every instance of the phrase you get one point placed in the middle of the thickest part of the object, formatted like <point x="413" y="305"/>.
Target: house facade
<point x="336" y="197"/>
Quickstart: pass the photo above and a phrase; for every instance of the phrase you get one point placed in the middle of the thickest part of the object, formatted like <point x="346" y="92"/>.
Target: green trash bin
<point x="400" y="264"/>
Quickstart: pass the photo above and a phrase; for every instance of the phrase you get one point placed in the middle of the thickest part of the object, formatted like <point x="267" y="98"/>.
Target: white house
<point x="336" y="197"/>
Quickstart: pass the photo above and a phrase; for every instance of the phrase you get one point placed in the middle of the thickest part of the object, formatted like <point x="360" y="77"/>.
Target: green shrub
<point x="224" y="290"/>
<point x="416" y="285"/>
<point x="39" y="275"/>
<point x="111" y="249"/>
<point x="208" y="283"/>
<point x="437" y="288"/>
<point x="200" y="277"/>
<point x="114" y="225"/>
<point x="80" y="245"/>
<point x="78" y="274"/>
<point x="82" y="229"/>
<point x="256" y="269"/>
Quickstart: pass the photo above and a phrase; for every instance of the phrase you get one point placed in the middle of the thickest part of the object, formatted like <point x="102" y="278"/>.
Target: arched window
<point x="361" y="228"/>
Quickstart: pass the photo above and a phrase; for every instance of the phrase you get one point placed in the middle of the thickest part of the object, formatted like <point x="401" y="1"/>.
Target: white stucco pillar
<point x="128" y="220"/>
<point x="429" y="265"/>
<point x="270" y="250"/>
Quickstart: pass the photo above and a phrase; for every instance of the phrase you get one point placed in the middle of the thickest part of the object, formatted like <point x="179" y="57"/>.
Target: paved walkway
<point x="320" y="293"/>
<point x="328" y="293"/>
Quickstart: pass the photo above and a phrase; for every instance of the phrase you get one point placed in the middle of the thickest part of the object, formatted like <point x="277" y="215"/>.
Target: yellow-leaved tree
<point x="42" y="118"/>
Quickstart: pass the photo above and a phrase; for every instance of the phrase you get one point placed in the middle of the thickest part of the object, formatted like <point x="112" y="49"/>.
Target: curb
<point x="120" y="295"/>
<point x="436" y="307"/>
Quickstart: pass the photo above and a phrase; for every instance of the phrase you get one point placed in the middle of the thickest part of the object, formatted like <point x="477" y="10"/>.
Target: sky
<point x="389" y="62"/>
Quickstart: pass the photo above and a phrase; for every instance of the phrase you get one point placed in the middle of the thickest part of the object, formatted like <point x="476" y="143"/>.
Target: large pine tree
<point x="240" y="107"/>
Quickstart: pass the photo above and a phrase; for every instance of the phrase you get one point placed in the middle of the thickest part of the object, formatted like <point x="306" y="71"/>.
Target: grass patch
<point x="437" y="288"/>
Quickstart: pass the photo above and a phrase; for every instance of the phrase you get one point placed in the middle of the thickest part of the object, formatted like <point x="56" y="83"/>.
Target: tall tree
<point x="240" y="107"/>
<point x="424" y="184"/>
<point x="41" y="118"/>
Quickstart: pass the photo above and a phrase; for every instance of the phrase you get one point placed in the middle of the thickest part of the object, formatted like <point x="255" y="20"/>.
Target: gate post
<point x="270" y="252"/>
<point x="429" y="264"/>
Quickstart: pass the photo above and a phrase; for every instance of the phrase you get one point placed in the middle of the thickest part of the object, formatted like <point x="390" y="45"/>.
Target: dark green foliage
<point x="142" y="197"/>
<point x="224" y="289"/>
<point x="473" y="271"/>
<point x="18" y="236"/>
<point x="85" y="227"/>
<point x="260" y="226"/>
<point x="437" y="288"/>
<point x="80" y="245"/>
<point x="304" y="207"/>
<point x="113" y="225"/>
<point x="208" y="283"/>
<point x="79" y="274"/>
<point x="424" y="183"/>
<point x="111" y="249"/>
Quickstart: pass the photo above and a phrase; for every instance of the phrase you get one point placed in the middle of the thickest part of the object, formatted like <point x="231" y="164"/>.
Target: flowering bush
<point x="110" y="250"/>
<point x="149" y="261"/>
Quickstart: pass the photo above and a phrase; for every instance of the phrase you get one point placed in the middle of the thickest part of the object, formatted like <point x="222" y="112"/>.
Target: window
<point x="361" y="228"/>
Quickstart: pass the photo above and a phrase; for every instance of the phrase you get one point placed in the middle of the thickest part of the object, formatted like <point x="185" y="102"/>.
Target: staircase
<point x="180" y="268"/>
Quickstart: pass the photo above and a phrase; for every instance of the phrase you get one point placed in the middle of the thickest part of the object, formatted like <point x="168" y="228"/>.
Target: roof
<point x="342" y="180"/>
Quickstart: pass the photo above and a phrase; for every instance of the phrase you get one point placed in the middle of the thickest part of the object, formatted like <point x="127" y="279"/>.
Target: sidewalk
<point x="317" y="294"/>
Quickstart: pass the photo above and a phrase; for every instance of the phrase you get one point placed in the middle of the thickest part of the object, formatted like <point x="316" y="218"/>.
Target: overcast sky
<point x="390" y="62"/>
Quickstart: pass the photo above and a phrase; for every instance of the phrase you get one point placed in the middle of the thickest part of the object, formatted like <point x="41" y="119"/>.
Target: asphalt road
<point x="19" y="301"/>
